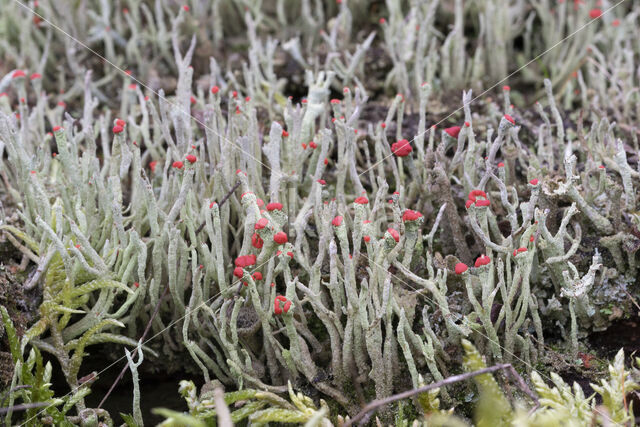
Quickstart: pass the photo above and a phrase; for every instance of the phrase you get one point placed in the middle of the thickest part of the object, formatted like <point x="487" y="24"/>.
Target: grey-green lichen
<point x="344" y="242"/>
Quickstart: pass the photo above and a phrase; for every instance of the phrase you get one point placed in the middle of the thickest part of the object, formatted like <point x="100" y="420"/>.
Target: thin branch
<point x="144" y="335"/>
<point x="16" y="388"/>
<point x="23" y="407"/>
<point x="224" y="199"/>
<point x="224" y="416"/>
<point x="363" y="416"/>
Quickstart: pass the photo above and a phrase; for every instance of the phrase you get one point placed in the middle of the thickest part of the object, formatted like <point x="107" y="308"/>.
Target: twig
<point x="363" y="416"/>
<point x="23" y="407"/>
<point x="224" y="416"/>
<point x="224" y="199"/>
<point x="144" y="335"/>
<point x="16" y="388"/>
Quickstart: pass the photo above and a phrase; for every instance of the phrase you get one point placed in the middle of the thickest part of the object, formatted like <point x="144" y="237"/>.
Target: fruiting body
<point x="337" y="221"/>
<point x="361" y="200"/>
<point x="177" y="164"/>
<point x="394" y="233"/>
<point x="276" y="305"/>
<point x="280" y="238"/>
<point x="261" y="223"/>
<point x="245" y="260"/>
<point x="274" y="206"/>
<point x="256" y="241"/>
<point x="482" y="260"/>
<point x="191" y="158"/>
<point x="453" y="131"/>
<point x="401" y="148"/>
<point x="461" y="268"/>
<point x="410" y="215"/>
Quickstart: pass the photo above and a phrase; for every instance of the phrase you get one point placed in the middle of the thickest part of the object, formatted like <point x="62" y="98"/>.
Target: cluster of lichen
<point x="307" y="241"/>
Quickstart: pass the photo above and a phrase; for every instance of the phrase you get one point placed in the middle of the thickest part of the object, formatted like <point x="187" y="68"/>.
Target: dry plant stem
<point x="224" y="416"/>
<point x="23" y="407"/>
<point x="363" y="416"/>
<point x="144" y="335"/>
<point x="236" y="185"/>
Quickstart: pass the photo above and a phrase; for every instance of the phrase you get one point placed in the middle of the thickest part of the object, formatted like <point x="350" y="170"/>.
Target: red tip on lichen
<point x="245" y="260"/>
<point x="401" y="148"/>
<point x="453" y="131"/>
<point x="595" y="13"/>
<point x="510" y="119"/>
<point x="56" y="128"/>
<point x="273" y="206"/>
<point x="262" y="223"/>
<point x="483" y="202"/>
<point x="322" y="182"/>
<point x="177" y="164"/>
<point x="461" y="268"/>
<point x="482" y="261"/>
<point x="280" y="238"/>
<point x="35" y="76"/>
<point x="337" y="221"/>
<point x="257" y="275"/>
<point x="312" y="144"/>
<point x="285" y="134"/>
<point x="215" y="90"/>
<point x="152" y="165"/>
<point x="335" y="101"/>
<point x="367" y="239"/>
<point x="394" y="233"/>
<point x="361" y="200"/>
<point x="410" y="215"/>
<point x="17" y="73"/>
<point x="534" y="181"/>
<point x="117" y="129"/>
<point x="191" y="158"/>
<point x="500" y="165"/>
<point x="238" y="272"/>
<point x="256" y="241"/>
<point x="475" y="193"/>
<point x="506" y="88"/>
<point x="276" y="304"/>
